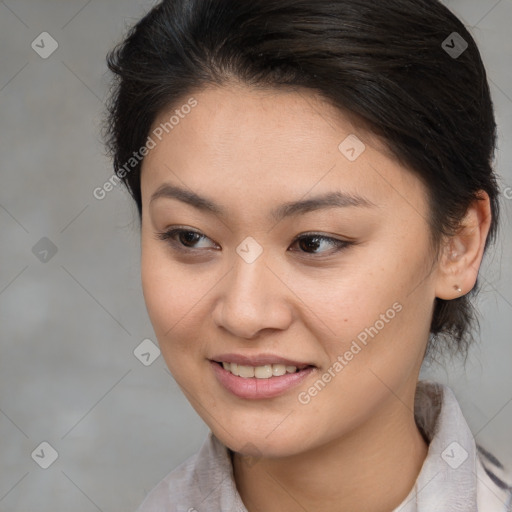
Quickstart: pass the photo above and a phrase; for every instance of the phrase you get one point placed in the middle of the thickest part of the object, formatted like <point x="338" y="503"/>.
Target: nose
<point x="252" y="299"/>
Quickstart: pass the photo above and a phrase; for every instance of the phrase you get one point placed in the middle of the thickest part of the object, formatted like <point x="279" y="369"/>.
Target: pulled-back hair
<point x="385" y="63"/>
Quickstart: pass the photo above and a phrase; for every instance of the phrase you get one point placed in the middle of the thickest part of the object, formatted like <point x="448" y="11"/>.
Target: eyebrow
<point x="329" y="200"/>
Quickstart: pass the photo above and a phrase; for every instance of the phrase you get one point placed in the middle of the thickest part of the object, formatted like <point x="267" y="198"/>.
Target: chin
<point x="259" y="446"/>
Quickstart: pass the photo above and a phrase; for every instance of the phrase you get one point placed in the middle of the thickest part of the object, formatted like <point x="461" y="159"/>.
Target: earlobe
<point x="462" y="253"/>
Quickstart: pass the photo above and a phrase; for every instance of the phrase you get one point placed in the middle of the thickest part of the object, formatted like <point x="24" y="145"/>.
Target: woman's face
<point x="294" y="250"/>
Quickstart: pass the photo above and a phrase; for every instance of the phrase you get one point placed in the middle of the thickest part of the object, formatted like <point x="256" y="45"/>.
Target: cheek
<point x="374" y="301"/>
<point x="174" y="297"/>
<point x="346" y="299"/>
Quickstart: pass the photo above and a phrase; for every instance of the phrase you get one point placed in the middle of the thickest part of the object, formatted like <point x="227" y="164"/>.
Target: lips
<point x="250" y="378"/>
<point x="258" y="360"/>
<point x="260" y="372"/>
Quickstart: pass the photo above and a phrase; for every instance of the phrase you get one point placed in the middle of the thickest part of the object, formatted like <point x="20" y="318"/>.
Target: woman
<point x="315" y="190"/>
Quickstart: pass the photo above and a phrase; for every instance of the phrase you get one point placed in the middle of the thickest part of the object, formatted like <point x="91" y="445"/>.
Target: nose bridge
<point x="246" y="285"/>
<point x="250" y="300"/>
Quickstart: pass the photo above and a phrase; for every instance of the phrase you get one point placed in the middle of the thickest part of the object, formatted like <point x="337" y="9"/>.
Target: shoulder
<point x="483" y="481"/>
<point x="174" y="491"/>
<point x="203" y="482"/>
<point x="494" y="483"/>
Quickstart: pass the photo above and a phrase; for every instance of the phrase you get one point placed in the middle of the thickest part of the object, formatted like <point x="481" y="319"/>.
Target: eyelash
<point x="171" y="235"/>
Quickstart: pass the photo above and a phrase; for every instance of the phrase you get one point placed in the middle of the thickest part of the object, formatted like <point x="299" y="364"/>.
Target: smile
<point x="259" y="372"/>
<point x="259" y="382"/>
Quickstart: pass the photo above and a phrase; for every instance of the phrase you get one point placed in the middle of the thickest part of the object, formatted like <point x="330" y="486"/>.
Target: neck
<point x="372" y="468"/>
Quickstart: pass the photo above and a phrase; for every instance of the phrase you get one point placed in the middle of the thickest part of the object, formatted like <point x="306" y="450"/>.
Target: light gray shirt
<point x="456" y="476"/>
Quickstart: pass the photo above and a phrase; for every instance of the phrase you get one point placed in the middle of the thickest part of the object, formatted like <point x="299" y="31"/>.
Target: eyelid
<point x="321" y="234"/>
<point x="168" y="234"/>
<point x="337" y="243"/>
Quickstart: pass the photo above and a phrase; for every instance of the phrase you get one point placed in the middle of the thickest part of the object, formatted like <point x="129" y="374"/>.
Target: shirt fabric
<point x="456" y="476"/>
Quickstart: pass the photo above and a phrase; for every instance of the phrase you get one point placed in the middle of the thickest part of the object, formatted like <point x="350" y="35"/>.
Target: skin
<point x="250" y="151"/>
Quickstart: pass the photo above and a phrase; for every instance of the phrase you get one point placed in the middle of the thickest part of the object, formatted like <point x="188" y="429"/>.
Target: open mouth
<point x="260" y="382"/>
<point x="266" y="371"/>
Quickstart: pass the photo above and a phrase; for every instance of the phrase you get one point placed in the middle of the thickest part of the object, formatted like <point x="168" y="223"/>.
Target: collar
<point x="447" y="479"/>
<point x="448" y="476"/>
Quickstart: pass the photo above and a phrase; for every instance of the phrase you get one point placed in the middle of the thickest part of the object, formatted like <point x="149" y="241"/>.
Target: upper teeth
<point x="260" y="372"/>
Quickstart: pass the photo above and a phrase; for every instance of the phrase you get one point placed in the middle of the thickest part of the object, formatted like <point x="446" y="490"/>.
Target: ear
<point x="461" y="254"/>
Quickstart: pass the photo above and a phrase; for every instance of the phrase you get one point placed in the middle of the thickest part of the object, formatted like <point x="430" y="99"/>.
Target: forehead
<point x="269" y="116"/>
<point x="269" y="141"/>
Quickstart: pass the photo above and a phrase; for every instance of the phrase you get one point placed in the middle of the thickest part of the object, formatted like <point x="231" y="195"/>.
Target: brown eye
<point x="189" y="238"/>
<point x="311" y="244"/>
<point x="184" y="239"/>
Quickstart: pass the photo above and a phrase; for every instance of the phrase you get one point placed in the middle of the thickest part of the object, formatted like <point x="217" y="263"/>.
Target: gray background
<point x="69" y="325"/>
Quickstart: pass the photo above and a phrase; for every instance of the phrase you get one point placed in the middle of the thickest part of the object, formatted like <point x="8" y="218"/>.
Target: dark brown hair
<point x="386" y="63"/>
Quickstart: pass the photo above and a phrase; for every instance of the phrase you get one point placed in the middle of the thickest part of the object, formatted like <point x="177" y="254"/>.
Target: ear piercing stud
<point x="457" y="288"/>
